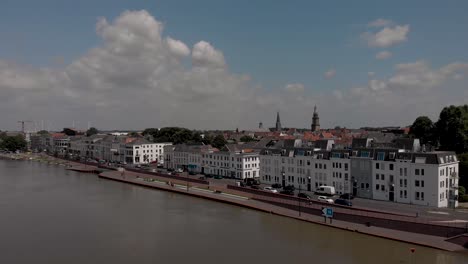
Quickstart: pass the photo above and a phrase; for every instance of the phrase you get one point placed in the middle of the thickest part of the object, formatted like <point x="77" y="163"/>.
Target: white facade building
<point x="396" y="175"/>
<point x="234" y="164"/>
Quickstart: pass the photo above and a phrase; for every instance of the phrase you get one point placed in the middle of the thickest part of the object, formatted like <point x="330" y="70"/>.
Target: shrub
<point x="463" y="198"/>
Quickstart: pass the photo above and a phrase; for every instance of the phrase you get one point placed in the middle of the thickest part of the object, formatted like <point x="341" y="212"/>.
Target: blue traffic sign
<point x="327" y="212"/>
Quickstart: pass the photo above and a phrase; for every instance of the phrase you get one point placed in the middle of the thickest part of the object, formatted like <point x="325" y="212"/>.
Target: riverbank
<point x="221" y="194"/>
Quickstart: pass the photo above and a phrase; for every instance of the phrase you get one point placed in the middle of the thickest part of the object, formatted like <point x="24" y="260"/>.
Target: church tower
<point x="315" y="121"/>
<point x="278" y="122"/>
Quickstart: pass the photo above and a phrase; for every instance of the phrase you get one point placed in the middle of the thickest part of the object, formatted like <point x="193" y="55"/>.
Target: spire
<point x="315" y="120"/>
<point x="278" y="122"/>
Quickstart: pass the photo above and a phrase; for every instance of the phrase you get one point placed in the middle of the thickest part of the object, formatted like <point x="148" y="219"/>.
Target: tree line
<point x="179" y="135"/>
<point x="12" y="143"/>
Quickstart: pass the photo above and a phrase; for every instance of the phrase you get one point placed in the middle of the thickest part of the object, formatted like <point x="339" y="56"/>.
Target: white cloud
<point x="294" y="88"/>
<point x="137" y="79"/>
<point x="177" y="47"/>
<point x="330" y="73"/>
<point x="388" y="36"/>
<point x="380" y="23"/>
<point x="383" y="55"/>
<point x="204" y="54"/>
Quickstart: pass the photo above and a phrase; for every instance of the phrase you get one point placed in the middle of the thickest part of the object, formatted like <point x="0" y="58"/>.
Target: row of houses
<point x="233" y="162"/>
<point x="404" y="175"/>
<point x="113" y="148"/>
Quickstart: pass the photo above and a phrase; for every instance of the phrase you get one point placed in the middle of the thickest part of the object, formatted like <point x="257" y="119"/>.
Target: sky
<point x="210" y="64"/>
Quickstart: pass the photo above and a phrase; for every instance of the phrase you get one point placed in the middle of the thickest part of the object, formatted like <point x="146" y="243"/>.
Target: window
<point x="362" y="185"/>
<point x="406" y="172"/>
<point x="416" y="172"/>
<point x="320" y="165"/>
<point x="381" y="156"/>
<point x="316" y="165"/>
<point x="346" y="176"/>
<point x="401" y="194"/>
<point x="417" y="196"/>
<point x="346" y="166"/>
<point x="401" y="171"/>
<point x="377" y="165"/>
<point x="324" y="166"/>
<point x="422" y="183"/>
<point x="365" y="154"/>
<point x="308" y="162"/>
<point x="422" y="172"/>
<point x="383" y="188"/>
<point x="406" y="183"/>
<point x="422" y="196"/>
<point x="383" y="177"/>
<point x="367" y="186"/>
<point x="405" y="193"/>
<point x="401" y="183"/>
<point x="391" y="166"/>
<point x="377" y="176"/>
<point x="377" y="187"/>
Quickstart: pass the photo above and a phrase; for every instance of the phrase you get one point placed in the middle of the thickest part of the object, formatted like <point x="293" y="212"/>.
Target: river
<point x="50" y="215"/>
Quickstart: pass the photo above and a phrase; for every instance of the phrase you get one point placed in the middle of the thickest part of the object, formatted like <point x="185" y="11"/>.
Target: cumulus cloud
<point x="383" y="55"/>
<point x="379" y="23"/>
<point x="330" y="73"/>
<point x="294" y="87"/>
<point x="136" y="78"/>
<point x="177" y="47"/>
<point x="388" y="36"/>
<point x="204" y="55"/>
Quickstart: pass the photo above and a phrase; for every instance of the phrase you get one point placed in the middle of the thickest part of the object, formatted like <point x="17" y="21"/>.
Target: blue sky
<point x="274" y="42"/>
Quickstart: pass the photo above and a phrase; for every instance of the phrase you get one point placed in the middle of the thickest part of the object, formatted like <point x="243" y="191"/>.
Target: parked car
<point x="325" y="199"/>
<point x="256" y="187"/>
<point x="343" y="202"/>
<point x="347" y="196"/>
<point x="287" y="192"/>
<point x="218" y="177"/>
<point x="240" y="184"/>
<point x="192" y="173"/>
<point x="202" y="178"/>
<point x="179" y="170"/>
<point x="325" y="190"/>
<point x="270" y="189"/>
<point x="277" y="186"/>
<point x="303" y="195"/>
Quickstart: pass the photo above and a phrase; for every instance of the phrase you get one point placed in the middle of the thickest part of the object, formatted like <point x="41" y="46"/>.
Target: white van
<point x="325" y="190"/>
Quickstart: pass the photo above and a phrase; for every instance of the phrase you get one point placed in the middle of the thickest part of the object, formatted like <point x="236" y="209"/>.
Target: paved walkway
<point x="241" y="199"/>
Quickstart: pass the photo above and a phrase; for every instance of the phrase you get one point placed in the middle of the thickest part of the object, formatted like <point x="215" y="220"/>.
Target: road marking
<point x="438" y="212"/>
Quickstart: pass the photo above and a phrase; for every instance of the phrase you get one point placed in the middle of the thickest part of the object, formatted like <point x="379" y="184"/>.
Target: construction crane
<point x="22" y="124"/>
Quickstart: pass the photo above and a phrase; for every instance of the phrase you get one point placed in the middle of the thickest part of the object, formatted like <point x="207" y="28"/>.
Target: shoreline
<point x="229" y="196"/>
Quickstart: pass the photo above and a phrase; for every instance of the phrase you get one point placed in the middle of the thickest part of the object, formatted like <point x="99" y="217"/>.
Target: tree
<point x="91" y="131"/>
<point x="463" y="169"/>
<point x="423" y="128"/>
<point x="43" y="132"/>
<point x="207" y="140"/>
<point x="219" y="141"/>
<point x="69" y="132"/>
<point x="13" y="143"/>
<point x="133" y="134"/>
<point x="246" y="139"/>
<point x="452" y="128"/>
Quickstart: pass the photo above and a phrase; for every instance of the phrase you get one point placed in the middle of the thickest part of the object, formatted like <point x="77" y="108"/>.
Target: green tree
<point x="463" y="169"/>
<point x="69" y="132"/>
<point x="461" y="191"/>
<point x="423" y="128"/>
<point x="43" y="132"/>
<point x="219" y="141"/>
<point x="133" y="134"/>
<point x="452" y="128"/>
<point x="246" y="139"/>
<point x="150" y="131"/>
<point x="207" y="140"/>
<point x="91" y="131"/>
<point x="13" y="143"/>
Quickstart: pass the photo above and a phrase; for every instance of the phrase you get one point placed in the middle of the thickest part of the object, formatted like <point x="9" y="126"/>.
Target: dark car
<point x="256" y="187"/>
<point x="192" y="173"/>
<point x="347" y="196"/>
<point x="343" y="202"/>
<point x="202" y="178"/>
<point x="276" y="186"/>
<point x="303" y="195"/>
<point x="287" y="192"/>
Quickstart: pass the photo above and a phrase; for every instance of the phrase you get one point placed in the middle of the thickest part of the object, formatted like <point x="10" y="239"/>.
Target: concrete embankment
<point x="221" y="194"/>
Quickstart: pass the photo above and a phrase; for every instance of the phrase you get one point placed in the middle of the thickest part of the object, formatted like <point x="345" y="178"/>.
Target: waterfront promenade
<point x="222" y="194"/>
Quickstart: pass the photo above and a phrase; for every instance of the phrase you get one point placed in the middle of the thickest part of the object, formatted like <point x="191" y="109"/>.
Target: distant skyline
<point x="230" y="64"/>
